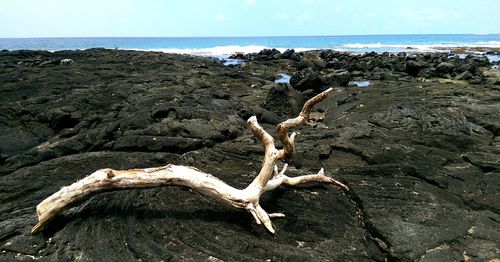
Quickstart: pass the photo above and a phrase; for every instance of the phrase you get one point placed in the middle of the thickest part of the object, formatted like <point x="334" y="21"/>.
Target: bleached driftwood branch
<point x="269" y="178"/>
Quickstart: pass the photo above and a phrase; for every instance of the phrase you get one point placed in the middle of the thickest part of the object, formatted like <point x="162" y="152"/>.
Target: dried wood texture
<point x="269" y="177"/>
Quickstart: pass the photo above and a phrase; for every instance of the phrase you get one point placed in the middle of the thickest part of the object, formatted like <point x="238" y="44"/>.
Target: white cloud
<point x="282" y="16"/>
<point x="220" y="17"/>
<point x="249" y="2"/>
<point x="338" y="9"/>
<point x="308" y="1"/>
<point x="371" y="14"/>
<point x="304" y="17"/>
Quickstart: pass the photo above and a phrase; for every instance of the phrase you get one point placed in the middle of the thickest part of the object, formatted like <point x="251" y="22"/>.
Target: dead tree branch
<point x="269" y="177"/>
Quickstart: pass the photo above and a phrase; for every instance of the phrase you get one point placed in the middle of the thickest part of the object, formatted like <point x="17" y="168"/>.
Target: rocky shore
<point x="419" y="146"/>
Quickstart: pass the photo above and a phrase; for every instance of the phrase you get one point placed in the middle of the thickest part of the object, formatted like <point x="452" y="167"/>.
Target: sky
<point x="188" y="18"/>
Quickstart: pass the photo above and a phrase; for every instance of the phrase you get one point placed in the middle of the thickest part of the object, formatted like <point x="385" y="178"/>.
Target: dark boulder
<point x="429" y="72"/>
<point x="313" y="63"/>
<point x="335" y="77"/>
<point x="238" y="55"/>
<point x="414" y="67"/>
<point x="59" y="119"/>
<point x="290" y="54"/>
<point x="284" y="100"/>
<point x="466" y="75"/>
<point x="306" y="79"/>
<point x="268" y="54"/>
<point x="262" y="55"/>
<point x="444" y="68"/>
<point x="287" y="53"/>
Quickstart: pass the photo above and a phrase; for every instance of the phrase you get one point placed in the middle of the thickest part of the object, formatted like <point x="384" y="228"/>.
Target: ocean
<point x="224" y="46"/>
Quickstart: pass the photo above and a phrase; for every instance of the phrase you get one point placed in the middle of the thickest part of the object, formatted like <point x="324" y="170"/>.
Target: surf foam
<point x="221" y="51"/>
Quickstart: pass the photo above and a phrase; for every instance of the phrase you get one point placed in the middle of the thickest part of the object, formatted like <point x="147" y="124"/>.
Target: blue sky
<point x="172" y="18"/>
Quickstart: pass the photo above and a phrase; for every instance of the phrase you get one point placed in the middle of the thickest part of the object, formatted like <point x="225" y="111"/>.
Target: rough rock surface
<point x="419" y="148"/>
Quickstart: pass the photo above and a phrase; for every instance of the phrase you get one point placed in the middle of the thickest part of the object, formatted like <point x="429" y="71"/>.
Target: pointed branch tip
<point x="252" y="119"/>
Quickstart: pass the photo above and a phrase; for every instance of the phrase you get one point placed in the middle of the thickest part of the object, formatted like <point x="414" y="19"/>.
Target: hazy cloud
<point x="371" y="14"/>
<point x="249" y="2"/>
<point x="282" y="16"/>
<point x="220" y="17"/>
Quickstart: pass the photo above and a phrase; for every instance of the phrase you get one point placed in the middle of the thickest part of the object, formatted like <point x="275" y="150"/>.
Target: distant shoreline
<point x="224" y="46"/>
<point x="492" y="53"/>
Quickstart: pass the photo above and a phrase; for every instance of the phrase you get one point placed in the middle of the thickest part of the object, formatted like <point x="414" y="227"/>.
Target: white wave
<point x="394" y="46"/>
<point x="223" y="52"/>
<point x="360" y="46"/>
<point x="488" y="43"/>
<point x="421" y="47"/>
<point x="220" y="51"/>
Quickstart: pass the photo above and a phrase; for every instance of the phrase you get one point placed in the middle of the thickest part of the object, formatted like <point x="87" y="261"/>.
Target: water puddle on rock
<point x="359" y="83"/>
<point x="232" y="61"/>
<point x="493" y="58"/>
<point x="285" y="79"/>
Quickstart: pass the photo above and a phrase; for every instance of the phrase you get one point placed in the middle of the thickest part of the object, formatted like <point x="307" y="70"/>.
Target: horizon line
<point x="249" y="36"/>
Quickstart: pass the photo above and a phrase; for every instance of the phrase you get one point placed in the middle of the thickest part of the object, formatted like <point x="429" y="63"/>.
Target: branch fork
<point x="269" y="177"/>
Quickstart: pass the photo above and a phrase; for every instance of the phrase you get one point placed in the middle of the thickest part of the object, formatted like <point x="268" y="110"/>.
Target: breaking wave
<point x="419" y="47"/>
<point x="221" y="51"/>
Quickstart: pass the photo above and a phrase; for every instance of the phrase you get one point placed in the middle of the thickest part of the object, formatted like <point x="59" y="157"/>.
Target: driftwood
<point x="269" y="177"/>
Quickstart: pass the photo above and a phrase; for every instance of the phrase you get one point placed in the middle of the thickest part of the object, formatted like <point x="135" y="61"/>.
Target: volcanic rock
<point x="419" y="155"/>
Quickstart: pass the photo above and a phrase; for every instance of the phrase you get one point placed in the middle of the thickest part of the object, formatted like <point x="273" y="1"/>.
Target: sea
<point x="224" y="46"/>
